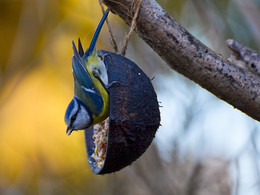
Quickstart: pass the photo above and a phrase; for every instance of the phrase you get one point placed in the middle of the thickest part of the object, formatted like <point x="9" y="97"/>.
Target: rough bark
<point x="188" y="56"/>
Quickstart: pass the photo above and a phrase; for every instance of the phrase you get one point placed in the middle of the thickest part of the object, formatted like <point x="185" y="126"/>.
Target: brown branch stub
<point x="188" y="56"/>
<point x="244" y="56"/>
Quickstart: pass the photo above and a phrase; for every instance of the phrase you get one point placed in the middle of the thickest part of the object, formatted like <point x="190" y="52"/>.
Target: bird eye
<point x="73" y="118"/>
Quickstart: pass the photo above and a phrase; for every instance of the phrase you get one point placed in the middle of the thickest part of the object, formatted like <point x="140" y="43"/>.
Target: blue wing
<point x="81" y="50"/>
<point x="80" y="73"/>
<point x="94" y="100"/>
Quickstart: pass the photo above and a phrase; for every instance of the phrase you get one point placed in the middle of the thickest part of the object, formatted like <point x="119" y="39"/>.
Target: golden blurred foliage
<point x="36" y="86"/>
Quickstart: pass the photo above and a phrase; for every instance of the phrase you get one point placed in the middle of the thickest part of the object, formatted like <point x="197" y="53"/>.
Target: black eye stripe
<point x="73" y="118"/>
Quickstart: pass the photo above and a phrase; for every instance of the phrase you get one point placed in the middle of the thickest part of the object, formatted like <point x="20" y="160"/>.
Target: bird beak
<point x="69" y="130"/>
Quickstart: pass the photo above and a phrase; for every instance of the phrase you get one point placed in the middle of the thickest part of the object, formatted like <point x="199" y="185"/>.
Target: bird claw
<point x="112" y="83"/>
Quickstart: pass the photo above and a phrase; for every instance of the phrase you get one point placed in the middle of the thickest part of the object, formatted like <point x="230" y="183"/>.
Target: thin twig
<point x="132" y="27"/>
<point x="193" y="182"/>
<point x="112" y="39"/>
<point x="237" y="179"/>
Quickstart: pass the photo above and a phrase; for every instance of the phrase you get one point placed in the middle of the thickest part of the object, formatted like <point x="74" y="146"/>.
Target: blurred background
<point x="204" y="145"/>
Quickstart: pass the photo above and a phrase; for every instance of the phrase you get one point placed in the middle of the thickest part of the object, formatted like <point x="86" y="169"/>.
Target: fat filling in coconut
<point x="100" y="139"/>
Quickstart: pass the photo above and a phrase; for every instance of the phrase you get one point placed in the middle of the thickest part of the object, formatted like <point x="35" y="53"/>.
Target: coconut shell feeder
<point x="134" y="115"/>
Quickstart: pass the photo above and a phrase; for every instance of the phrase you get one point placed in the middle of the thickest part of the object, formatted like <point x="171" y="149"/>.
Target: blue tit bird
<point x="90" y="104"/>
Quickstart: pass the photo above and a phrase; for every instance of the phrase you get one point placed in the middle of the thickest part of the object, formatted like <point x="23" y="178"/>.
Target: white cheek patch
<point x="103" y="71"/>
<point x="83" y="119"/>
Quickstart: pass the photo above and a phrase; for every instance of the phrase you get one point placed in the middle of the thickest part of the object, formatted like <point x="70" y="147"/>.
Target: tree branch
<point x="188" y="56"/>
